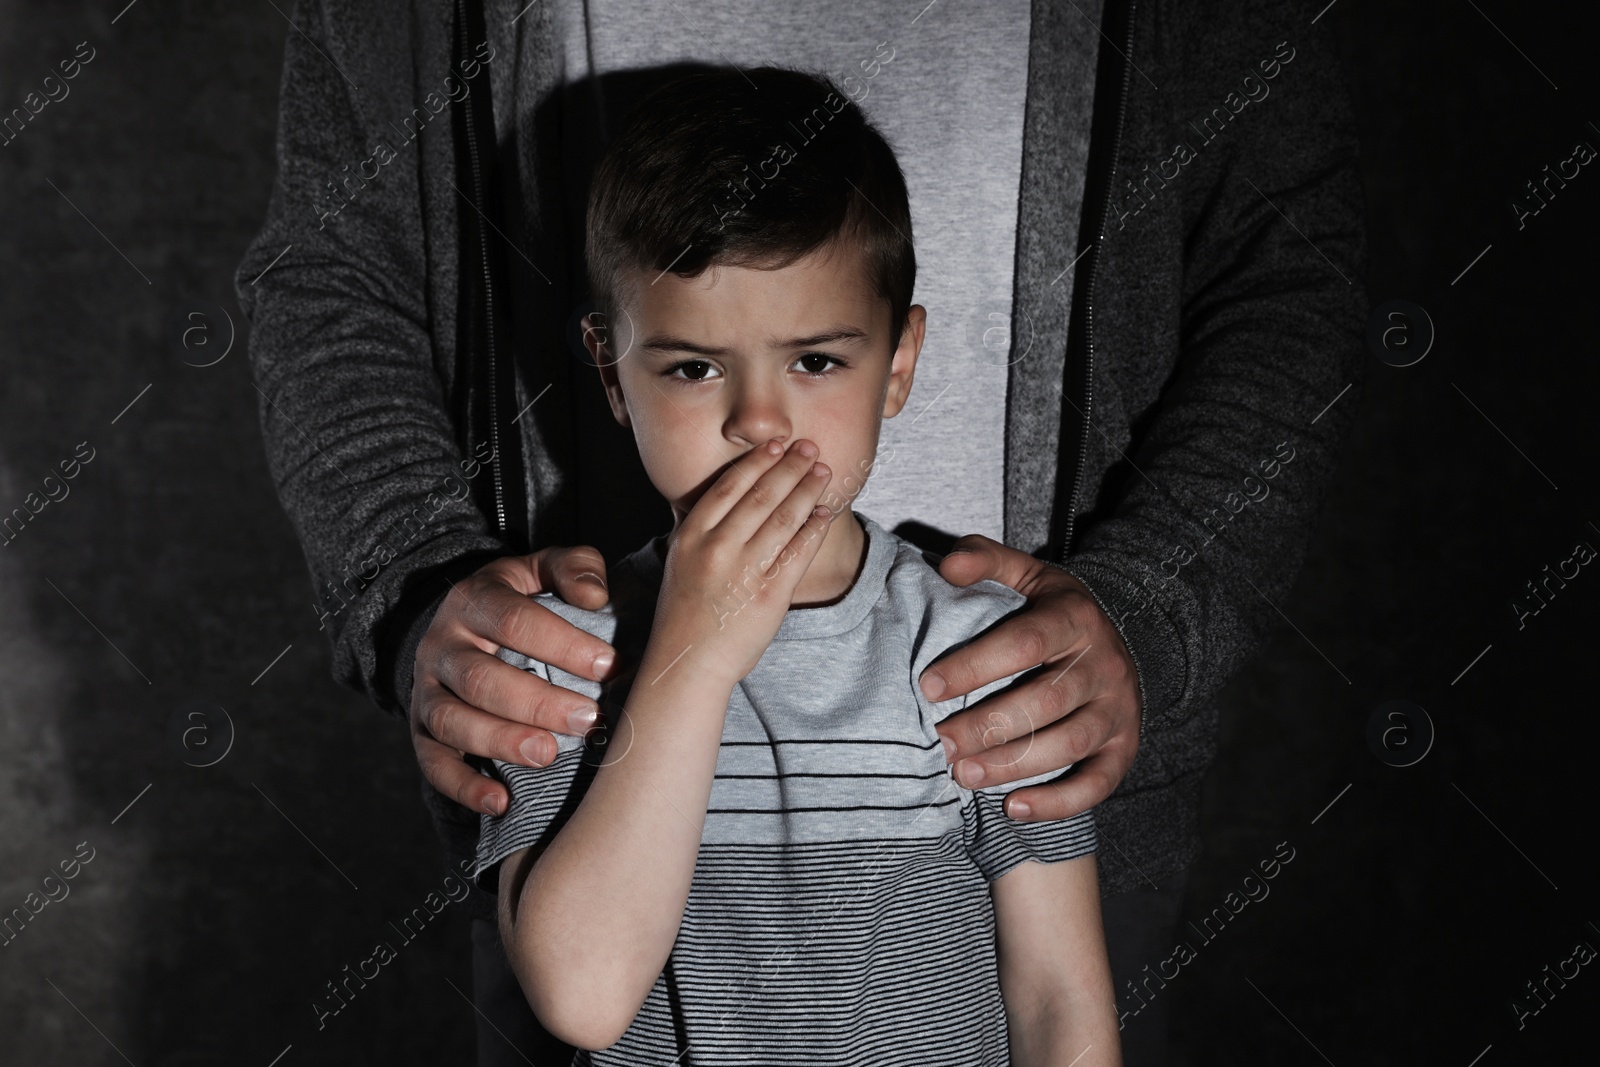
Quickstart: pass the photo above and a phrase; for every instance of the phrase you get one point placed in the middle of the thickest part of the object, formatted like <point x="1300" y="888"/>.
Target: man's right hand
<point x="465" y="698"/>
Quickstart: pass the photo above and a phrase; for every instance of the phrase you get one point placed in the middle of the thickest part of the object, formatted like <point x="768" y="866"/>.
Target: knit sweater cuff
<point x="410" y="618"/>
<point x="1154" y="642"/>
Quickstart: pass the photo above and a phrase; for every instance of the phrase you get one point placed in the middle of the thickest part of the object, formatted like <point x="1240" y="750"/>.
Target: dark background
<point x="1419" y="899"/>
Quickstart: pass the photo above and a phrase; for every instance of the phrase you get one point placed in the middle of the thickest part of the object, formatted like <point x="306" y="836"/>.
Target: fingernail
<point x="969" y="773"/>
<point x="593" y="577"/>
<point x="494" y="805"/>
<point x="807" y="449"/>
<point x="1019" y="809"/>
<point x="949" y="748"/>
<point x="533" y="752"/>
<point x="602" y="663"/>
<point x="582" y="720"/>
<point x="933" y="685"/>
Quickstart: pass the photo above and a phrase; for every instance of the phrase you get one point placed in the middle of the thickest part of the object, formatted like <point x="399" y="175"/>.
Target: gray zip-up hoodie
<point x="1193" y="370"/>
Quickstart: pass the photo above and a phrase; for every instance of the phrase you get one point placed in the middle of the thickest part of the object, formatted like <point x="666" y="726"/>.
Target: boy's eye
<point x="695" y="370"/>
<point x="812" y="365"/>
<point x="818" y="364"/>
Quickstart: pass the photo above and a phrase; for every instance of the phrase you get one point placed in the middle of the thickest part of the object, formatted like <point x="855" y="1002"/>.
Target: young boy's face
<point x="704" y="369"/>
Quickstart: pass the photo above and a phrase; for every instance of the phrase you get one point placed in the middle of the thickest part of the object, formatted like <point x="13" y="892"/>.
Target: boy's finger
<point x="731" y="486"/>
<point x="795" y="557"/>
<point x="779" y="533"/>
<point x="746" y="520"/>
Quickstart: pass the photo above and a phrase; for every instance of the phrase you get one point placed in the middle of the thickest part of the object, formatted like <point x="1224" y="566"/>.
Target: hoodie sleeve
<point x="1196" y="560"/>
<point x="353" y="412"/>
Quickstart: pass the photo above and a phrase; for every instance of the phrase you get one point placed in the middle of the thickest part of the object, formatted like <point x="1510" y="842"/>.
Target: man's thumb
<point x="575" y="571"/>
<point x="958" y="567"/>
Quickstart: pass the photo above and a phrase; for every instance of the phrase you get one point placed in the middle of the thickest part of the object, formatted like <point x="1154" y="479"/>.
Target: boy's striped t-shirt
<point x="840" y="909"/>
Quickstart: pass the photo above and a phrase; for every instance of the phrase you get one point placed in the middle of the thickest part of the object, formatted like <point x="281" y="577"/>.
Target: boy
<point x="760" y="855"/>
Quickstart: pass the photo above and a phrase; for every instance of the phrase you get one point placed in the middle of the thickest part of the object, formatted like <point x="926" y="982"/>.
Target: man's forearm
<point x="601" y="908"/>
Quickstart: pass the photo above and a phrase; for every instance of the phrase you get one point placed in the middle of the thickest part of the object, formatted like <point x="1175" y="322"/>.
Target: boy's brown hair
<point x="754" y="168"/>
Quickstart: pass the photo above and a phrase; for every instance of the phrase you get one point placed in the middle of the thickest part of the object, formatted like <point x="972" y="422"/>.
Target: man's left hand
<point x="1083" y="708"/>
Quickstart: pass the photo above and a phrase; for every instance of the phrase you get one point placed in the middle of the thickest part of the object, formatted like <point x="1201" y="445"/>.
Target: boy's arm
<point x="1055" y="975"/>
<point x="592" y="920"/>
<point x="588" y="924"/>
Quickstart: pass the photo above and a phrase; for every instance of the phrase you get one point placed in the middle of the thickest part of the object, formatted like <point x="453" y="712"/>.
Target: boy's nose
<point x="756" y="420"/>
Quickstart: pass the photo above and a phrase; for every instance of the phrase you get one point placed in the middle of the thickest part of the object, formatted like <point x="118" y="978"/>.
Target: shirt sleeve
<point x="542" y="798"/>
<point x="996" y="842"/>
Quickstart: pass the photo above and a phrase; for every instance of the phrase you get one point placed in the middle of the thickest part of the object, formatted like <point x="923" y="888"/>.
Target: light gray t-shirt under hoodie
<point x="840" y="909"/>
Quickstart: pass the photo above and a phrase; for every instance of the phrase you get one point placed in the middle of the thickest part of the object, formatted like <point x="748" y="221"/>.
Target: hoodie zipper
<point x="479" y="192"/>
<point x="1089" y="280"/>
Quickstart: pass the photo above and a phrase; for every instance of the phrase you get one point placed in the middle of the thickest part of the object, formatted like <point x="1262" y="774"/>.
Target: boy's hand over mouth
<point x="734" y="561"/>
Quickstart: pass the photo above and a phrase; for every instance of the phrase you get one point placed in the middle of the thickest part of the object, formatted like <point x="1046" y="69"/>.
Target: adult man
<point x="1145" y="222"/>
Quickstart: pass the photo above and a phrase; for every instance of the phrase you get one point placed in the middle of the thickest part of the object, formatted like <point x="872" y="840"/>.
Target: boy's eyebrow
<point x="669" y="343"/>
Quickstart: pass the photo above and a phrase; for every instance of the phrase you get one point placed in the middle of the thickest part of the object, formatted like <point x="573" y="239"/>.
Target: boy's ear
<point x="596" y="338"/>
<point x="903" y="365"/>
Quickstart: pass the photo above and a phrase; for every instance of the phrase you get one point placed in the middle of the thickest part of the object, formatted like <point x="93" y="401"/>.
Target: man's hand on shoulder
<point x="1083" y="708"/>
<point x="465" y="698"/>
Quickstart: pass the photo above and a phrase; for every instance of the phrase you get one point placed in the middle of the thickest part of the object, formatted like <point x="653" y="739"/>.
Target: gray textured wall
<point x="217" y="906"/>
<point x="219" y="900"/>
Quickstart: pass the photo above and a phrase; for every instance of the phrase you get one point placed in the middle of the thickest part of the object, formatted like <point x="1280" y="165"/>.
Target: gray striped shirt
<point x="840" y="909"/>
